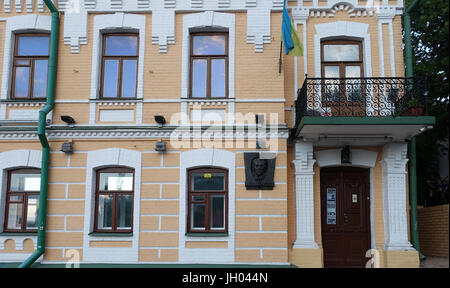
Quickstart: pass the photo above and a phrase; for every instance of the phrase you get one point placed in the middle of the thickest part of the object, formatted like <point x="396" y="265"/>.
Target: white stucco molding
<point x="98" y="159"/>
<point x="163" y="24"/>
<point x="394" y="197"/>
<point x="359" y="158"/>
<point x="213" y="20"/>
<point x="76" y="27"/>
<point x="207" y="157"/>
<point x="385" y="15"/>
<point x="304" y="195"/>
<point x="15" y="24"/>
<point x="258" y="27"/>
<point x="112" y="22"/>
<point x="13" y="160"/>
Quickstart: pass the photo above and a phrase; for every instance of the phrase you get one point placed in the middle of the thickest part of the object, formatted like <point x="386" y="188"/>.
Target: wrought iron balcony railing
<point x="361" y="97"/>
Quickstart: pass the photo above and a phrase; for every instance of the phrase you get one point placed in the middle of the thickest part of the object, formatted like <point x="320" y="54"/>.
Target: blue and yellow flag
<point x="292" y="44"/>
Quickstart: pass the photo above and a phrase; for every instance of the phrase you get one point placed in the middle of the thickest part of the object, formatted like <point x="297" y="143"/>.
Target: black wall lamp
<point x="68" y="119"/>
<point x="160" y="120"/>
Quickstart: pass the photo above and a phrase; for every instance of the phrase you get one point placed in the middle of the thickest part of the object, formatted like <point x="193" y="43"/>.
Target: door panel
<point x="347" y="237"/>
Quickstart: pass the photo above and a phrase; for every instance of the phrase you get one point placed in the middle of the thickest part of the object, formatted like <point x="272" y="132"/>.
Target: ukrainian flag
<point x="292" y="44"/>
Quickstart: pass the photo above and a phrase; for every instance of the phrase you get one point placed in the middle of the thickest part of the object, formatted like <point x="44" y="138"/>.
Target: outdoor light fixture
<point x="261" y="143"/>
<point x="67" y="147"/>
<point x="160" y="146"/>
<point x="67" y="119"/>
<point x="160" y="119"/>
<point x="345" y="155"/>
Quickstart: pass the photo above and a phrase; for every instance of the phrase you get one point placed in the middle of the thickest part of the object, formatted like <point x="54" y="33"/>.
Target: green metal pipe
<point x="412" y="172"/>
<point x="412" y="169"/>
<point x="51" y="84"/>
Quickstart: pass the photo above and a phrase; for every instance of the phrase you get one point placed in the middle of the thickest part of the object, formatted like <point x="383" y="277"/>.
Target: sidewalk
<point x="434" y="262"/>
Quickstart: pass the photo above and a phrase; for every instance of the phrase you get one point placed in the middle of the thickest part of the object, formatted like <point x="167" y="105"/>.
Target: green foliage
<point x="413" y="102"/>
<point x="431" y="58"/>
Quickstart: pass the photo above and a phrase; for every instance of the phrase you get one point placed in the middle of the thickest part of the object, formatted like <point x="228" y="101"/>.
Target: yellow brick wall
<point x="433" y="230"/>
<point x="264" y="229"/>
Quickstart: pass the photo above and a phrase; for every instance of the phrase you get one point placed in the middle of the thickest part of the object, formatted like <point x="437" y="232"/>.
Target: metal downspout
<point x="412" y="168"/>
<point x="51" y="83"/>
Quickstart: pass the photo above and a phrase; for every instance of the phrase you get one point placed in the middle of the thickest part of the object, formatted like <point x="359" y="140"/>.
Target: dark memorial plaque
<point x="258" y="172"/>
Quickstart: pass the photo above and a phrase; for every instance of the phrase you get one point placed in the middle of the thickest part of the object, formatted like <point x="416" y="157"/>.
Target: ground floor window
<point x="114" y="200"/>
<point x="22" y="200"/>
<point x="207" y="200"/>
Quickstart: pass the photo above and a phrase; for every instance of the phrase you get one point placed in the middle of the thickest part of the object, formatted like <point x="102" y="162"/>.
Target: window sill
<point x="18" y="234"/>
<point x="202" y="234"/>
<point x="25" y="100"/>
<point x="116" y="100"/>
<point x="104" y="234"/>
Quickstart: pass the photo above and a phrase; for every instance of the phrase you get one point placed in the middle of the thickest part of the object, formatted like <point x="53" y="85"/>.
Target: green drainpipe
<point x="412" y="171"/>
<point x="51" y="83"/>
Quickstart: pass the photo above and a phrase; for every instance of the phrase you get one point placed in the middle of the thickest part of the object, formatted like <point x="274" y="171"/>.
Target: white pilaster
<point x="394" y="197"/>
<point x="304" y="192"/>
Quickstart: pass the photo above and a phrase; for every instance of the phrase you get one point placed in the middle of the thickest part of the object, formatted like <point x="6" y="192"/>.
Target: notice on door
<point x="331" y="206"/>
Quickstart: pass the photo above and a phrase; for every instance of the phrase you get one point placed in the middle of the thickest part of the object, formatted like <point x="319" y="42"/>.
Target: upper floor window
<point x="208" y="200"/>
<point x="30" y="66"/>
<point x="342" y="59"/>
<point x="114" y="200"/>
<point x="119" y="65"/>
<point x="209" y="65"/>
<point x="22" y="200"/>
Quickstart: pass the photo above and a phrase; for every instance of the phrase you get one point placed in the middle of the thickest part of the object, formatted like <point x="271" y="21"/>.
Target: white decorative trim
<point x="258" y="27"/>
<point x="13" y="25"/>
<point x="119" y="115"/>
<point x="163" y="24"/>
<point x="184" y="131"/>
<point x="207" y="157"/>
<point x="394" y="197"/>
<point x="99" y="159"/>
<point x="359" y="158"/>
<point x="385" y="16"/>
<point x="76" y="28"/>
<point x="208" y="19"/>
<point x="304" y="195"/>
<point x="112" y="22"/>
<point x="11" y="160"/>
<point x="300" y="17"/>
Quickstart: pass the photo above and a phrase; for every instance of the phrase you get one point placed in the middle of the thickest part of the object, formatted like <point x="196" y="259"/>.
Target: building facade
<point x="162" y="107"/>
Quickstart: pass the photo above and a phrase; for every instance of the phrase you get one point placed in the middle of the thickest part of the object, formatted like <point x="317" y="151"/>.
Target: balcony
<point x="370" y="110"/>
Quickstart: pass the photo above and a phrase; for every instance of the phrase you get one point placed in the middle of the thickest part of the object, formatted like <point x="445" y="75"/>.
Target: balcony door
<point x="342" y="65"/>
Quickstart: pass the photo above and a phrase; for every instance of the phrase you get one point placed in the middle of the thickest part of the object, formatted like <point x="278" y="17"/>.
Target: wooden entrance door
<point x="345" y="201"/>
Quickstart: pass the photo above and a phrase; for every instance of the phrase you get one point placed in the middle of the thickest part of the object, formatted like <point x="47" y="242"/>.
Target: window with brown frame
<point x="207" y="200"/>
<point x="342" y="59"/>
<point x="22" y="200"/>
<point x="119" y="65"/>
<point x="114" y="200"/>
<point x="209" y="65"/>
<point x="30" y="66"/>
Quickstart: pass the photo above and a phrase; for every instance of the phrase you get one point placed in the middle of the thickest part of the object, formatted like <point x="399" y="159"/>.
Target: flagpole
<point x="280" y="62"/>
